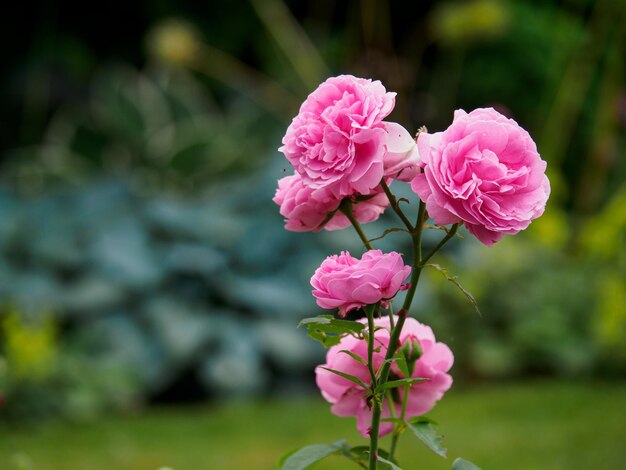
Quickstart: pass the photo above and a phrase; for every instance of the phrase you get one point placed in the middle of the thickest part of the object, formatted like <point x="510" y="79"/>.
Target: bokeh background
<point x="149" y="295"/>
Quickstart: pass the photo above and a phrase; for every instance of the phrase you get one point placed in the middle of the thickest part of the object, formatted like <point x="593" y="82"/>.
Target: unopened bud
<point x="412" y="351"/>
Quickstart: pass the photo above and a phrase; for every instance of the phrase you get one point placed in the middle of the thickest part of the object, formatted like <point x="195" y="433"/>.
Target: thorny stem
<point x="451" y="233"/>
<point x="396" y="207"/>
<point x="376" y="408"/>
<point x="369" y="310"/>
<point x="417" y="264"/>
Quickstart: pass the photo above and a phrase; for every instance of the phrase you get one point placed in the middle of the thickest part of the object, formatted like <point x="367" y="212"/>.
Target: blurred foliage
<point x="30" y="350"/>
<point x="39" y="381"/>
<point x="196" y="289"/>
<point x="160" y="127"/>
<point x="460" y="23"/>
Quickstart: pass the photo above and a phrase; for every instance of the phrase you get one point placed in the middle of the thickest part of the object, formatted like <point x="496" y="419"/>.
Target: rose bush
<point x="348" y="399"/>
<point x="484" y="171"/>
<point x="346" y="283"/>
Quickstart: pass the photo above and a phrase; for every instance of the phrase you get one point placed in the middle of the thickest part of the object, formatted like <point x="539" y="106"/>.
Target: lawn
<point x="536" y="425"/>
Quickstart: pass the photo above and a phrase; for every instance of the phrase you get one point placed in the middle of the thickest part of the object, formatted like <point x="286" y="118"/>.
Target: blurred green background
<point x="149" y="295"/>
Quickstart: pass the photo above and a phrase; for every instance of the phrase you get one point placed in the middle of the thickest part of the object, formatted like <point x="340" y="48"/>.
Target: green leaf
<point x="399" y="383"/>
<point x="331" y="321"/>
<point x="402" y="364"/>
<point x="328" y="330"/>
<point x="351" y="378"/>
<point x="461" y="464"/>
<point x="426" y="432"/>
<point x="400" y="361"/>
<point x="455" y="280"/>
<point x="387" y="463"/>
<point x="354" y="356"/>
<point x="306" y="456"/>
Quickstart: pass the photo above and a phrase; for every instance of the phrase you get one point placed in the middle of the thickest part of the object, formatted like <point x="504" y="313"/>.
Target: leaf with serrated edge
<point x="425" y="431"/>
<point x="455" y="280"/>
<point x="328" y="321"/>
<point x="462" y="464"/>
<point x="306" y="456"/>
<point x="349" y="377"/>
<point x="321" y="319"/>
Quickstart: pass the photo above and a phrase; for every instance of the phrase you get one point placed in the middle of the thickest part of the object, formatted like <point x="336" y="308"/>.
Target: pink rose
<point x="348" y="399"/>
<point x="306" y="209"/>
<point x="401" y="157"/>
<point x="484" y="171"/>
<point x="336" y="140"/>
<point x="347" y="283"/>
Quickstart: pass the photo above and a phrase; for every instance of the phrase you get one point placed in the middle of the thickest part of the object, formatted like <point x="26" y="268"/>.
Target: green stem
<point x="369" y="310"/>
<point x="416" y="237"/>
<point x="376" y="409"/>
<point x="396" y="207"/>
<point x="346" y="208"/>
<point x="399" y="427"/>
<point x="443" y="241"/>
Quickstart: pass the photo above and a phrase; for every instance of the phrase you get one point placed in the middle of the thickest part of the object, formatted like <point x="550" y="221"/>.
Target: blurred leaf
<point x="354" y="356"/>
<point x="349" y="377"/>
<point x="426" y="432"/>
<point x="461" y="464"/>
<point x="328" y="330"/>
<point x="387" y="463"/>
<point x="307" y="456"/>
<point x="402" y="364"/>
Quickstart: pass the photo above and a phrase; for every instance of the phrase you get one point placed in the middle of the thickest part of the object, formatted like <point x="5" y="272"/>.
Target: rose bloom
<point x="483" y="171"/>
<point x="337" y="139"/>
<point x="349" y="399"/>
<point x="347" y="283"/>
<point x="307" y="210"/>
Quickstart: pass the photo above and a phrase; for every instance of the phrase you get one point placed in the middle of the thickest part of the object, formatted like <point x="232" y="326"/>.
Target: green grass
<point x="536" y="425"/>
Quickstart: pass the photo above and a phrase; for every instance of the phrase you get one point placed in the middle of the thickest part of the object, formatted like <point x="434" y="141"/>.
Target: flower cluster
<point x="483" y="172"/>
<point x="348" y="399"/>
